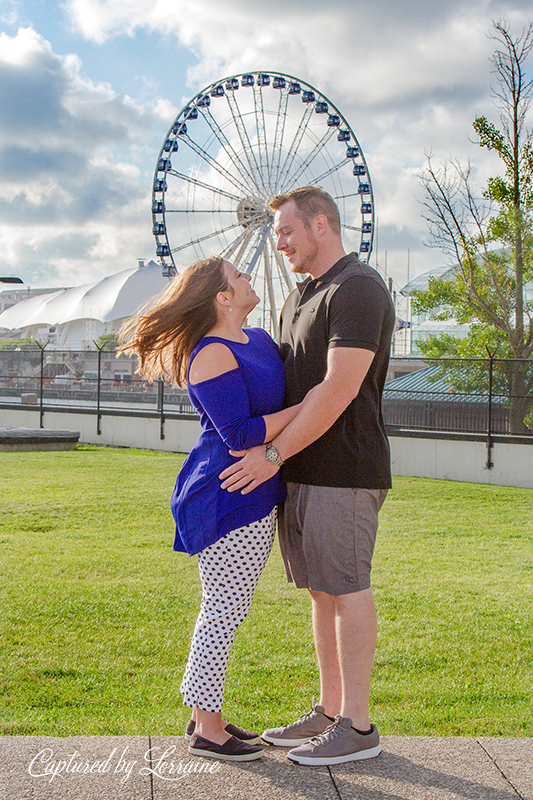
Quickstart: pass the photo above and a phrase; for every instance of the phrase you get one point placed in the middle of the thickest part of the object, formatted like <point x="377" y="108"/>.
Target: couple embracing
<point x="307" y="411"/>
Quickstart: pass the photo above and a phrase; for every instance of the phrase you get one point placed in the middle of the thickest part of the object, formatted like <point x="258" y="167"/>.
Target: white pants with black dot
<point x="229" y="571"/>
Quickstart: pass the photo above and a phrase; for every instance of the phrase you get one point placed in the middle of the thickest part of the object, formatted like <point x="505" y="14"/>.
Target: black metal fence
<point x="491" y="396"/>
<point x="470" y="395"/>
<point x="94" y="381"/>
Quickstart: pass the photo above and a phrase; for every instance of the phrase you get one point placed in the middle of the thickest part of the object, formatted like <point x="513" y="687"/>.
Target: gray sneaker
<point x="299" y="732"/>
<point x="245" y="736"/>
<point x="339" y="743"/>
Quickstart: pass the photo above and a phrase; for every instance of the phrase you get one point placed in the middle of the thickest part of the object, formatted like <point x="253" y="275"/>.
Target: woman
<point x="235" y="380"/>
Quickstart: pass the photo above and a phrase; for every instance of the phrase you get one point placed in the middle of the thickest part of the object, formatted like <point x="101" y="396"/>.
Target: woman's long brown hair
<point x="165" y="334"/>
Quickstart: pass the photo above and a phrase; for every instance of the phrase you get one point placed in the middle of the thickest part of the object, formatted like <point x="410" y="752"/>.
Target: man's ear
<point x="320" y="224"/>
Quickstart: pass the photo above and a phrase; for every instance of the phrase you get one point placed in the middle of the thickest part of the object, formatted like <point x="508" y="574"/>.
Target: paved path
<point x="159" y="768"/>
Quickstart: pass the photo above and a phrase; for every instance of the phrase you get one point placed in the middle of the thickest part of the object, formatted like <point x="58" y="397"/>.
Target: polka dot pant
<point x="229" y="571"/>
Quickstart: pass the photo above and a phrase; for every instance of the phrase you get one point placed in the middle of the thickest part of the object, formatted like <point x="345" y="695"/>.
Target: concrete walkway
<point x="159" y="768"/>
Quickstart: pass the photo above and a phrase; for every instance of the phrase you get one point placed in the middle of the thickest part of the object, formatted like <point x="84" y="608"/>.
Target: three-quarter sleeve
<point x="225" y="401"/>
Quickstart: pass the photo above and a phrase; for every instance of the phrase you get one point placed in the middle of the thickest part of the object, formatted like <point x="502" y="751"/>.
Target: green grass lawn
<point x="97" y="609"/>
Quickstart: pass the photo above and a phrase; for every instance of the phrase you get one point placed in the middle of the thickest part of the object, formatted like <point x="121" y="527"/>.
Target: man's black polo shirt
<point x="348" y="306"/>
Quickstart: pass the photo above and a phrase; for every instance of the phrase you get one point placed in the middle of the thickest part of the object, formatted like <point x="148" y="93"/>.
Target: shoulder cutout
<point x="213" y="360"/>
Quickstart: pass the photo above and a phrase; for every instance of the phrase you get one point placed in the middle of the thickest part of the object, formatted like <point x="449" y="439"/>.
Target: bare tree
<point x="489" y="236"/>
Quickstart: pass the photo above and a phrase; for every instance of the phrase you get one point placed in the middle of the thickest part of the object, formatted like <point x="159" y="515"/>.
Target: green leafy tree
<point x="18" y="344"/>
<point x="108" y="341"/>
<point x="488" y="237"/>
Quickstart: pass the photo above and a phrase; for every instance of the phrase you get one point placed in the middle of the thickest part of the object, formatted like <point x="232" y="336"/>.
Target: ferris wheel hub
<point x="253" y="210"/>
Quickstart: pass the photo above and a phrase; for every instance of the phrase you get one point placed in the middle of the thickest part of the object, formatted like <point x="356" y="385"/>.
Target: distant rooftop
<point x="421" y="282"/>
<point x="422" y="385"/>
<point x="107" y="299"/>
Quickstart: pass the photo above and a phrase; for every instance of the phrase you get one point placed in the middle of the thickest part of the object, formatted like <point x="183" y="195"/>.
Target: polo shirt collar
<point x="330" y="274"/>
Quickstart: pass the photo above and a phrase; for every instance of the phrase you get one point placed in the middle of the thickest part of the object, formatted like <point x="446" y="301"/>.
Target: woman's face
<point x="242" y="295"/>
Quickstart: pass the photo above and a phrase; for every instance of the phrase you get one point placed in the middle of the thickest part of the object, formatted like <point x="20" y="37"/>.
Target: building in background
<point x="74" y="318"/>
<point x="10" y="297"/>
<point x="421" y="326"/>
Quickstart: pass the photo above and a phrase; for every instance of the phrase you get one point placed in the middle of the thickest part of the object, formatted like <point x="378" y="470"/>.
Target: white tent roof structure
<point x="109" y="299"/>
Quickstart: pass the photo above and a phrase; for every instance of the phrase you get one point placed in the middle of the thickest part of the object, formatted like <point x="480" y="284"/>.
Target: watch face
<point x="272" y="455"/>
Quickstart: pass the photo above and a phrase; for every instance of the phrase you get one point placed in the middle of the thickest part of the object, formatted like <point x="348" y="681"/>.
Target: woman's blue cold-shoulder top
<point x="231" y="408"/>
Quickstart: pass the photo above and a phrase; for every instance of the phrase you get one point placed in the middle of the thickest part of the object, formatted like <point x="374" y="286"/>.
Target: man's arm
<point x="347" y="367"/>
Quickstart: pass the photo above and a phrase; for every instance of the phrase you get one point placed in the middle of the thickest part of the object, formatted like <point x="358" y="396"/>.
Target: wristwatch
<point x="272" y="455"/>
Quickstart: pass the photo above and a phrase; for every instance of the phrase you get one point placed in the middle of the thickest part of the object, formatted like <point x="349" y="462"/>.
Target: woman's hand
<point x="251" y="471"/>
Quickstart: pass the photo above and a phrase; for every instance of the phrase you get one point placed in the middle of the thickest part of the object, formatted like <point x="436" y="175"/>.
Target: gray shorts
<point x="327" y="536"/>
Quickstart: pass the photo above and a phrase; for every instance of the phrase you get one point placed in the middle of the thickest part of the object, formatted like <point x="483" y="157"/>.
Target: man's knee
<point x="354" y="604"/>
<point x="321" y="597"/>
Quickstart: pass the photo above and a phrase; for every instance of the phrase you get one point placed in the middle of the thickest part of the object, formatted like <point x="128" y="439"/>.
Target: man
<point x="335" y="335"/>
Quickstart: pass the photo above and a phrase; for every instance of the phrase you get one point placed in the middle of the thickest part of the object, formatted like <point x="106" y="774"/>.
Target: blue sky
<point x="89" y="88"/>
<point x="133" y="65"/>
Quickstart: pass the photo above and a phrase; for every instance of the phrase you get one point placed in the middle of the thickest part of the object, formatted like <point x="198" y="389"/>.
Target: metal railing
<point x="490" y="396"/>
<point x="92" y="381"/>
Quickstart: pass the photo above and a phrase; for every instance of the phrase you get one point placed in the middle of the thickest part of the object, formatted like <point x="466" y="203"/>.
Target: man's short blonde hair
<point x="311" y="201"/>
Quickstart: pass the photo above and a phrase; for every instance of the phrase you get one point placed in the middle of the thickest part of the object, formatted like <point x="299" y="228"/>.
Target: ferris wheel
<point x="232" y="148"/>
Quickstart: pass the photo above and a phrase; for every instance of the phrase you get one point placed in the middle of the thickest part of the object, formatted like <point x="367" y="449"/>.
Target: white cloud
<point x="73" y="202"/>
<point x="165" y="110"/>
<point x="409" y="76"/>
<point x="9" y="12"/>
<point x="385" y="51"/>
